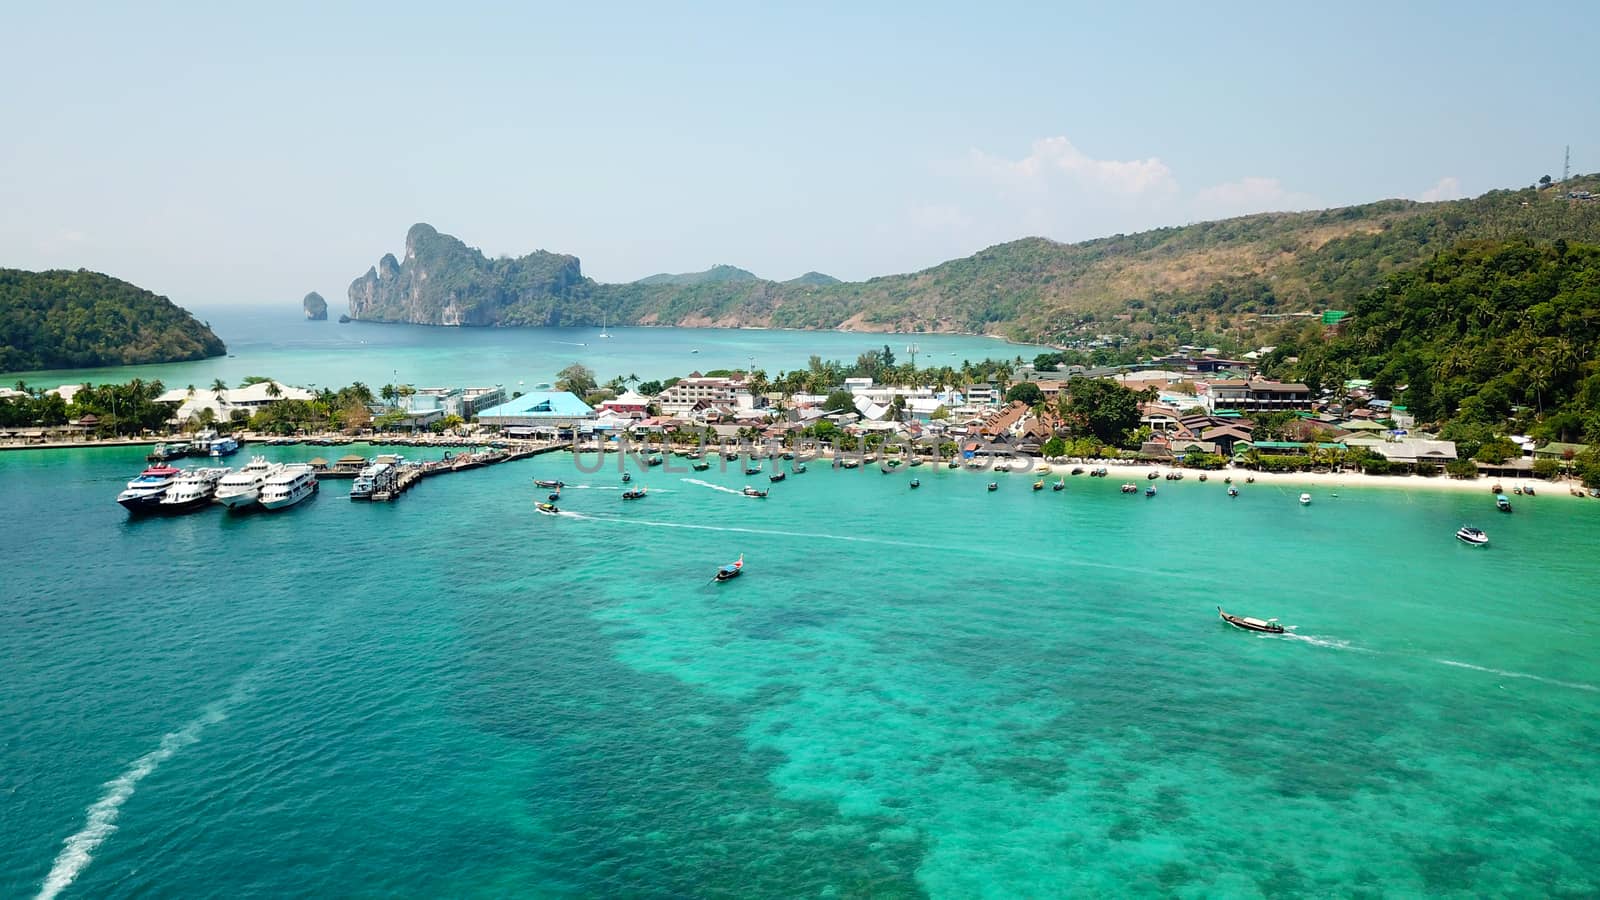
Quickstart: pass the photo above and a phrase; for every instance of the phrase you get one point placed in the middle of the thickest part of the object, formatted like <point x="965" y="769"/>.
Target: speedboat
<point x="1270" y="626"/>
<point x="549" y="484"/>
<point x="994" y="486"/>
<point x="916" y="483"/>
<point x="1077" y="470"/>
<point x="799" y="468"/>
<point x="1305" y="499"/>
<point x="1150" y="491"/>
<point x="1502" y="502"/>
<point x="1059" y="486"/>
<point x="287" y="487"/>
<point x="1473" y="536"/>
<point x="548" y="509"/>
<point x="626" y="478"/>
<point x="730" y="571"/>
<point x="144" y="493"/>
<point x="635" y="494"/>
<point x="1233" y="491"/>
<point x="776" y="477"/>
<point x="241" y="488"/>
<point x="753" y="469"/>
<point x="655" y="460"/>
<point x="700" y="465"/>
<point x="752" y="492"/>
<point x="1038" y="485"/>
<point x="192" y="490"/>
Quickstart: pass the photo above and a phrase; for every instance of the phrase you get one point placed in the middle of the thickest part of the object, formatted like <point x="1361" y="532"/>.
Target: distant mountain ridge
<point x="1032" y="288"/>
<point x="62" y="319"/>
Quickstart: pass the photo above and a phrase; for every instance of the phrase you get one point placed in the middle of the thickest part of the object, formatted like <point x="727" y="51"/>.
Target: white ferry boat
<point x="145" y="492"/>
<point x="243" y="487"/>
<point x="376" y="477"/>
<point x="288" y="487"/>
<point x="200" y="444"/>
<point x="192" y="490"/>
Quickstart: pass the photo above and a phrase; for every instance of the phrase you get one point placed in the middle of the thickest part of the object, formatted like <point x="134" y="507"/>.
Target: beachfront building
<point x="627" y="405"/>
<point x="540" y="414"/>
<point x="1256" y="395"/>
<point x="251" y="399"/>
<point x="706" y="392"/>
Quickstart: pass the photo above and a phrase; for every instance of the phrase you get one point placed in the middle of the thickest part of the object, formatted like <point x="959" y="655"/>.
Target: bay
<point x="277" y="343"/>
<point x="943" y="692"/>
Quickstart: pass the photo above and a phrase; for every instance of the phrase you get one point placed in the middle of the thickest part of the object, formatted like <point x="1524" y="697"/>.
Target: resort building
<point x="251" y="399"/>
<point x="682" y="398"/>
<point x="548" y="414"/>
<point x="628" y="404"/>
<point x="1256" y="395"/>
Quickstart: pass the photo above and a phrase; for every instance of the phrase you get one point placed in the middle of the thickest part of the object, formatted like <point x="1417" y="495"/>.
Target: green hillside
<point x="1204" y="278"/>
<point x="68" y="320"/>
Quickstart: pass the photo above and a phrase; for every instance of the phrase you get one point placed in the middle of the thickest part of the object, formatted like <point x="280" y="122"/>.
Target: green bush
<point x="1546" y="468"/>
<point x="1461" y="468"/>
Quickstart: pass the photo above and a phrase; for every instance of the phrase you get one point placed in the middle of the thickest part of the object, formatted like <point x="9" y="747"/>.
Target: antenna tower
<point x="1566" y="165"/>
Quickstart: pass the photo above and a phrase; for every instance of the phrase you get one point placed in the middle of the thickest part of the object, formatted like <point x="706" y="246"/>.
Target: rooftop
<point x="540" y="404"/>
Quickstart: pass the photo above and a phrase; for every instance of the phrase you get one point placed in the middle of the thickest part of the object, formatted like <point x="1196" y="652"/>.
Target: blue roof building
<point x="545" y="411"/>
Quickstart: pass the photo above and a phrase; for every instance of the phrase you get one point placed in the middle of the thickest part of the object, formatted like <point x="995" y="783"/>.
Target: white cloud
<point x="1056" y="159"/>
<point x="1447" y="188"/>
<point x="1252" y="194"/>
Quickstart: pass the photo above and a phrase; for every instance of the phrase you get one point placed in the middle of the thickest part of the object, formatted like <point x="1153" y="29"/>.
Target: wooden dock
<point x="409" y="474"/>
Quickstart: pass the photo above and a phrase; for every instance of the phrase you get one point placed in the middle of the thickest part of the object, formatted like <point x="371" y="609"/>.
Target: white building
<point x="251" y="399"/>
<point x="702" y="392"/>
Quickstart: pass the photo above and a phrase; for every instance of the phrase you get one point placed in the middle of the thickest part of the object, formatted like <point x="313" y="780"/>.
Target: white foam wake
<point x="100" y="822"/>
<point x="1575" y="685"/>
<point x="714" y="487"/>
<point x="762" y="531"/>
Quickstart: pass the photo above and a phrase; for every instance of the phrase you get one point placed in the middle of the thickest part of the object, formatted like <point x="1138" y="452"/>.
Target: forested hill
<point x="1034" y="288"/>
<point x="68" y="320"/>
<point x="1487" y="332"/>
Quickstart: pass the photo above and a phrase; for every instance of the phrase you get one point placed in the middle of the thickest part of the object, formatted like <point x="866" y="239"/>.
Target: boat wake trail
<point x="1575" y="685"/>
<point x="77" y="851"/>
<point x="1315" y="641"/>
<point x="714" y="487"/>
<point x="762" y="531"/>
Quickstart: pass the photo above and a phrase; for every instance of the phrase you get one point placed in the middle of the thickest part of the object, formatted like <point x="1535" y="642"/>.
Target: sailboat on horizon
<point x="603" y="326"/>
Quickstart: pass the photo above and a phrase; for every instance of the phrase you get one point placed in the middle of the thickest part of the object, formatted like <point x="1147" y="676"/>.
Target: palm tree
<point x="273" y="390"/>
<point x="218" y="389"/>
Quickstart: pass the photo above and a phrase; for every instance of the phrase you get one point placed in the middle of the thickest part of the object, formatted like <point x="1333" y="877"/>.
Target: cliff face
<point x="315" y="308"/>
<point x="444" y="282"/>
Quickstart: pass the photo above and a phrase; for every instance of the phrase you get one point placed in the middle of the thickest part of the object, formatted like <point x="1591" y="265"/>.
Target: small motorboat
<point x="851" y="464"/>
<point x="730" y="571"/>
<point x="1150" y="491"/>
<point x="1153" y="475"/>
<point x="1305" y="499"/>
<point x="1059" y="486"/>
<point x="1129" y="487"/>
<point x="799" y="468"/>
<point x="1502" y="502"/>
<point x="752" y="492"/>
<point x="549" y="484"/>
<point x="1496" y="489"/>
<point x="1528" y="490"/>
<point x="1517" y="489"/>
<point x="626" y="478"/>
<point x="953" y="465"/>
<point x="554" y="496"/>
<point x="916" y="483"/>
<point x="776" y="477"/>
<point x="994" y="486"/>
<point x="915" y="461"/>
<point x="700" y="465"/>
<point x="655" y="460"/>
<point x="1270" y="626"/>
<point x="1249" y="479"/>
<point x="1473" y="536"/>
<point x="1228" y="480"/>
<point x="1233" y="491"/>
<point x="730" y="456"/>
<point x="788" y="454"/>
<point x="1038" y="485"/>
<point x="1101" y="472"/>
<point x="1202" y="476"/>
<point x="1077" y="470"/>
<point x="634" y="494"/>
<point x="549" y="509"/>
<point x="753" y="470"/>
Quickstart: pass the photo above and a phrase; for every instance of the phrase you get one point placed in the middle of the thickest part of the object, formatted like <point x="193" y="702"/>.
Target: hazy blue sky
<point x="249" y="155"/>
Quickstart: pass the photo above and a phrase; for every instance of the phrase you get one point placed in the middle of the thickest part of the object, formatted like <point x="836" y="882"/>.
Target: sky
<point x="247" y="155"/>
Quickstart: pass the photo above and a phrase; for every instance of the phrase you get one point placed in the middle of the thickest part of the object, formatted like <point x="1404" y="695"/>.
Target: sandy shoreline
<point x="1139" y="472"/>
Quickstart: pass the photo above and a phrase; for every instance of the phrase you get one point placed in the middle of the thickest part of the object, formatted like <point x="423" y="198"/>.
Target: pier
<point x="406" y="475"/>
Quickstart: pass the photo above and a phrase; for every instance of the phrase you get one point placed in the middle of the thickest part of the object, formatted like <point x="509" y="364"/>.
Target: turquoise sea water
<point x="944" y="692"/>
<point x="277" y="343"/>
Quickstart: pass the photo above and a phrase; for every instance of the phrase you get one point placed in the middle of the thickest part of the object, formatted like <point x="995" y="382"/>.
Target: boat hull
<point x="243" y="498"/>
<point x="142" y="503"/>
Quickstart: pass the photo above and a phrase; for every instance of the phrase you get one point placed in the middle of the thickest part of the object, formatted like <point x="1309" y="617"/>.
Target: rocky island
<point x="316" y="308"/>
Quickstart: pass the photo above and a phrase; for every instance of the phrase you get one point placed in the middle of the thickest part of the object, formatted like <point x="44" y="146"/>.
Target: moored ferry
<point x="377" y="477"/>
<point x="243" y="488"/>
<point x="144" y="493"/>
<point x="168" y="450"/>
<point x="287" y="487"/>
<point x="226" y="445"/>
<point x="193" y="489"/>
